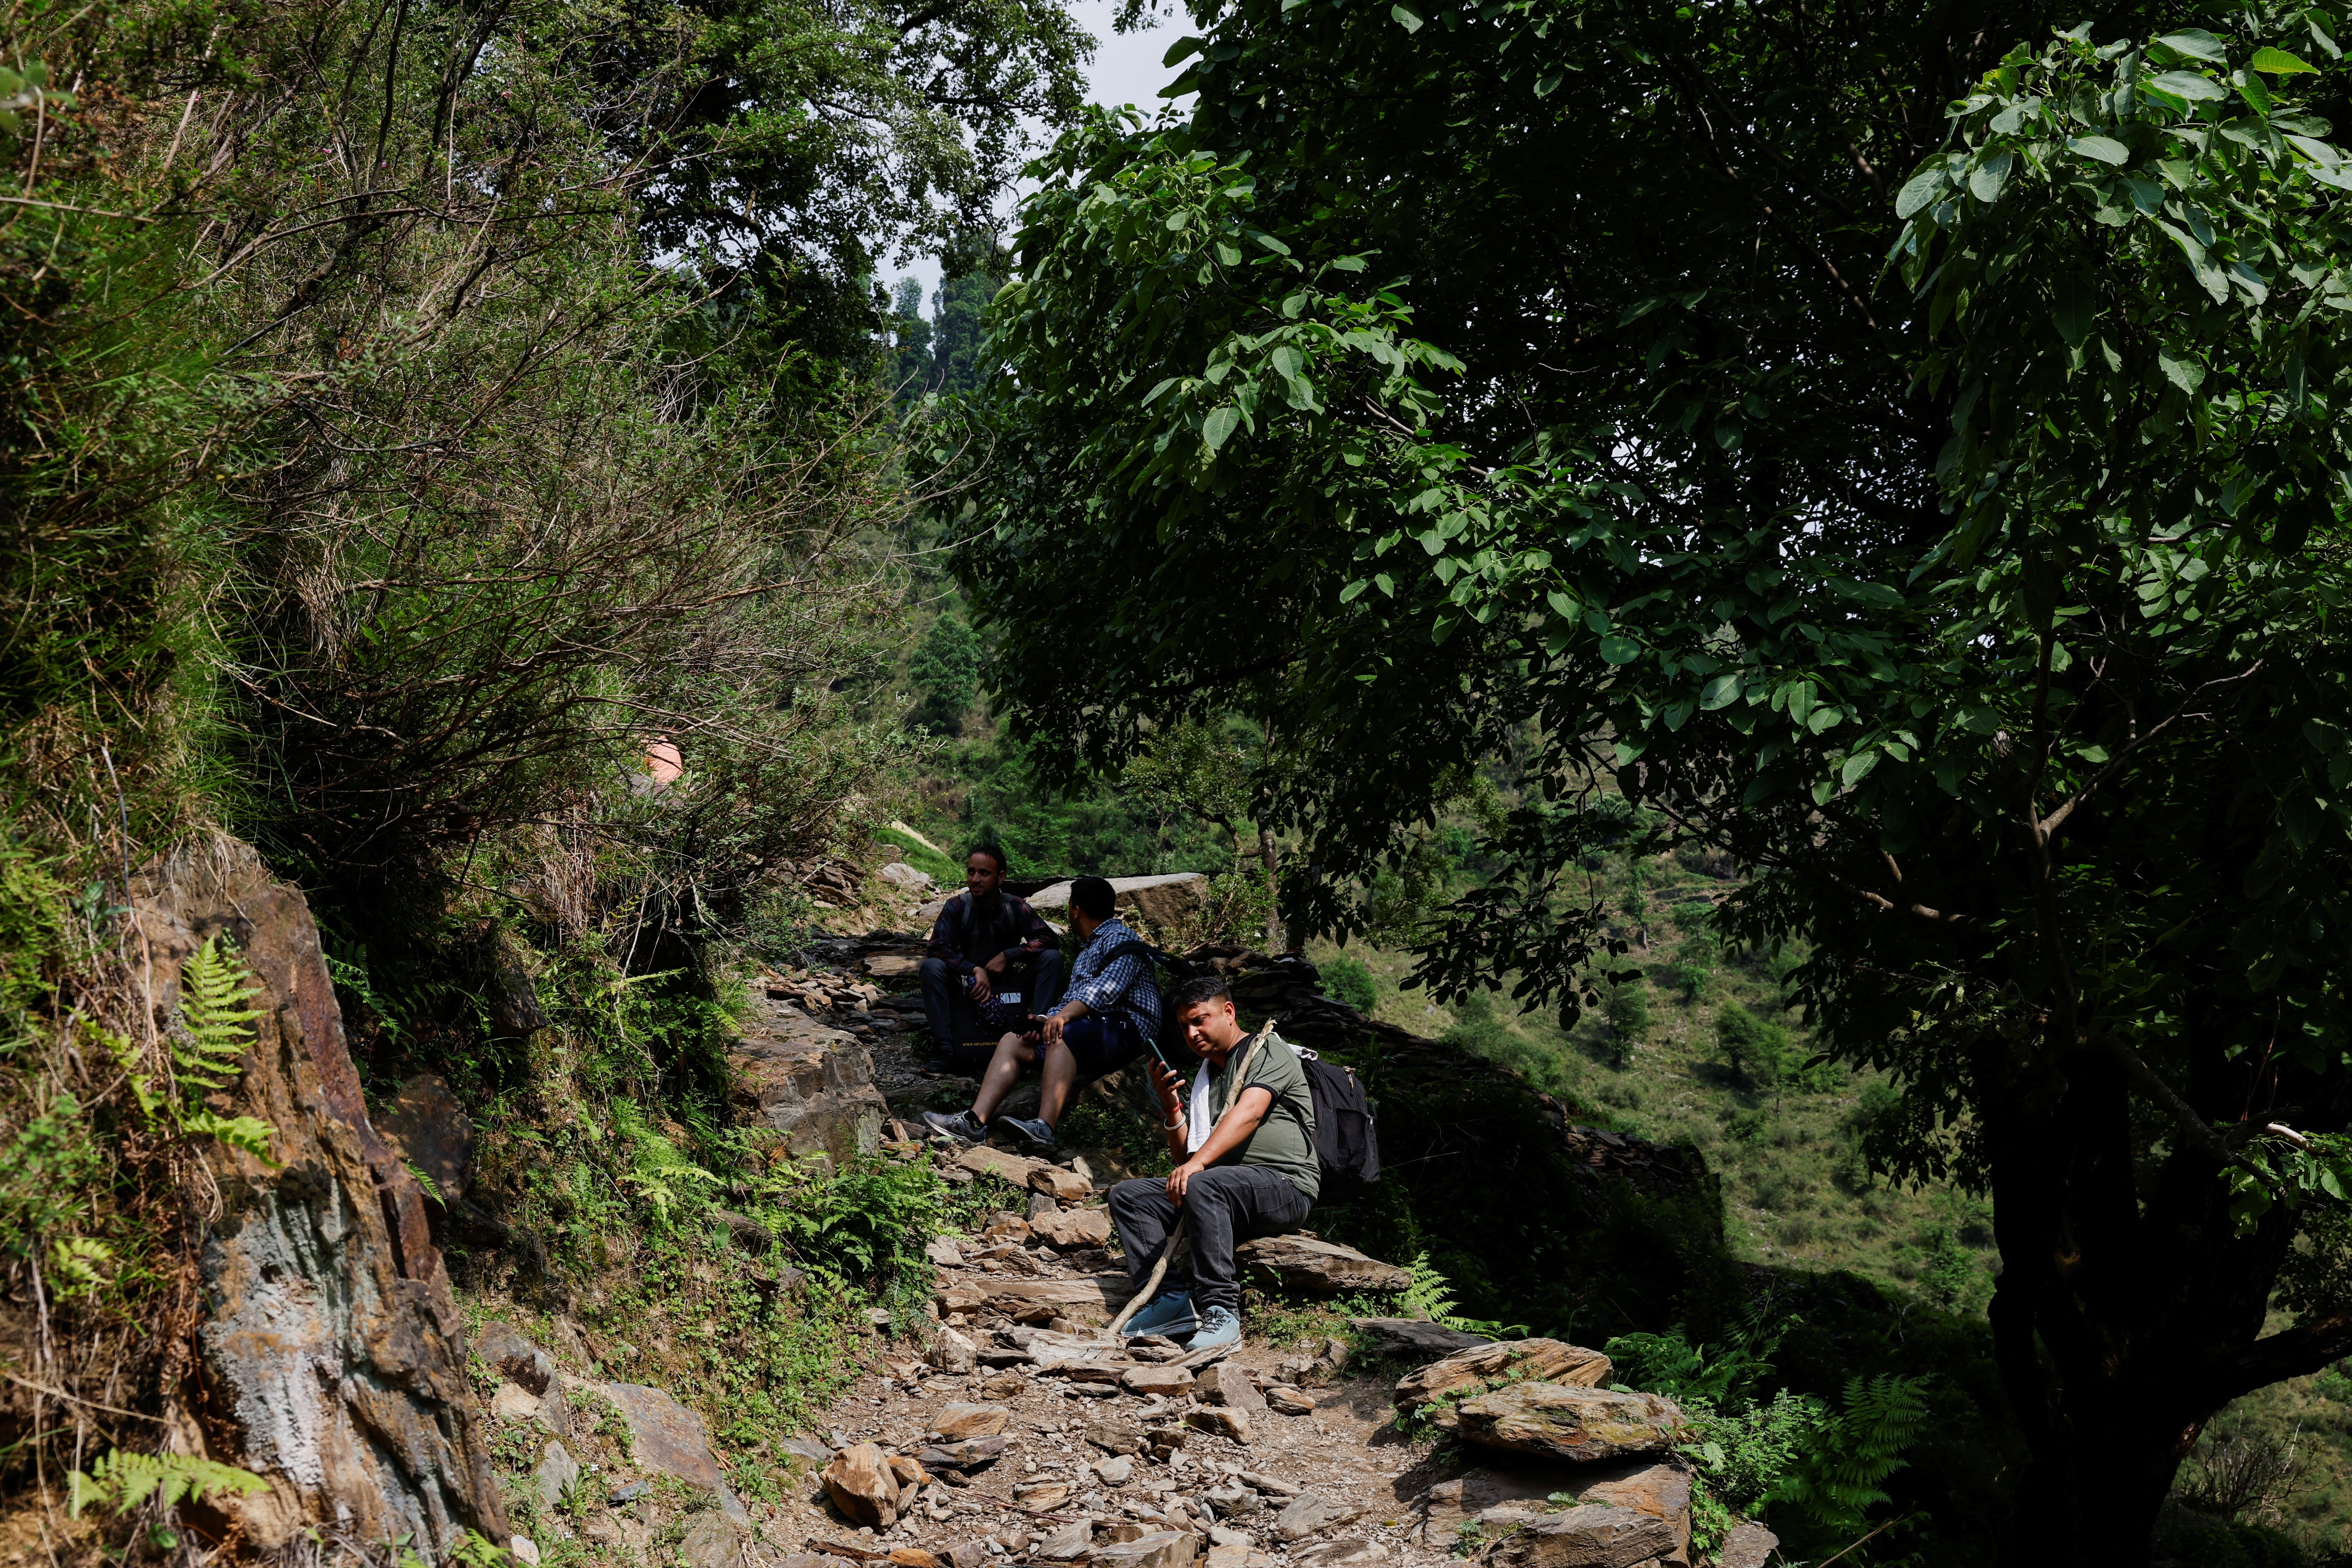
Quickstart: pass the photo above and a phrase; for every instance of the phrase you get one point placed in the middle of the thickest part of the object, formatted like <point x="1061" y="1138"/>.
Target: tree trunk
<point x="1271" y="857"/>
<point x="2126" y="1314"/>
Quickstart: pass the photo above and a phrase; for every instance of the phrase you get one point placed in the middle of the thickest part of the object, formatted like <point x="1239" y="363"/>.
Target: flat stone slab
<point x="1658" y="1488"/>
<point x="1583" y="1425"/>
<point x="1594" y="1535"/>
<point x="668" y="1437"/>
<point x="1318" y="1268"/>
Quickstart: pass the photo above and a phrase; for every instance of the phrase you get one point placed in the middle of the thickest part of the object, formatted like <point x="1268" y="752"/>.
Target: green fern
<point x="213" y="990"/>
<point x="125" y="1480"/>
<point x="73" y="1266"/>
<point x="1841" y="1476"/>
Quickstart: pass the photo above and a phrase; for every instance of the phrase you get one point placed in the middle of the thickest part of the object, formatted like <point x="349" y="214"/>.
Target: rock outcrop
<point x="332" y="1360"/>
<point x="1555" y="1421"/>
<point x="812" y="1084"/>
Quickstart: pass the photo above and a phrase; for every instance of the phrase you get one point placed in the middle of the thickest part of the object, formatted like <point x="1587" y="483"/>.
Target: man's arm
<point x="1233" y="1129"/>
<point x="1179" y="1125"/>
<point x="943" y="944"/>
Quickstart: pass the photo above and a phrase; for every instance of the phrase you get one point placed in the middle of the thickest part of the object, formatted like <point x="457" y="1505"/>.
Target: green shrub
<point x="1757" y="1048"/>
<point x="1346" y="979"/>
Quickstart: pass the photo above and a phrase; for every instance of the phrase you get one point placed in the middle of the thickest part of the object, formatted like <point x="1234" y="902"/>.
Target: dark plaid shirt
<point x="1030" y="933"/>
<point x="1123" y="985"/>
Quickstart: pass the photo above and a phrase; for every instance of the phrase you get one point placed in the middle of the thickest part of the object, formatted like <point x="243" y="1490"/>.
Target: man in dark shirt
<point x="992" y="962"/>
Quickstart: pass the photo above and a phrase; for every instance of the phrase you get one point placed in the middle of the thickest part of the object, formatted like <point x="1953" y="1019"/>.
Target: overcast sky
<point x="1126" y="69"/>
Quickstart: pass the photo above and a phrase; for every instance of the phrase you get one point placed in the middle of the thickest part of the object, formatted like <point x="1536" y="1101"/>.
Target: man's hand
<point x="1052" y="1029"/>
<point x="995" y="965"/>
<point x="1171" y="1095"/>
<point x="1181" y="1176"/>
<point x="980" y="990"/>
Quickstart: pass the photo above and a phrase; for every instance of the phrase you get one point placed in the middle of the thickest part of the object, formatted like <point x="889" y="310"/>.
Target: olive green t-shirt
<point x="1286" y="1139"/>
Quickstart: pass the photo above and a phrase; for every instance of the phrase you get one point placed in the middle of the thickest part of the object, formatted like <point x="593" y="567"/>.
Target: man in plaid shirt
<point x="1109" y="1011"/>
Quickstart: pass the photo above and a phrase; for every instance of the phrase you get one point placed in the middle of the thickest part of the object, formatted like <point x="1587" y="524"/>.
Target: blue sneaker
<point x="1219" y="1326"/>
<point x="1035" y="1131"/>
<point x="1170" y="1312"/>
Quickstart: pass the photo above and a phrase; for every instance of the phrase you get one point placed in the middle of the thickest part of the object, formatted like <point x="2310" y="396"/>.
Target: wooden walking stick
<point x="1176" y="1237"/>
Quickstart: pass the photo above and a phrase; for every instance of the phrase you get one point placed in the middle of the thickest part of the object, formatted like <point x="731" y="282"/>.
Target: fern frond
<point x="214" y="990"/>
<point x="250" y="1133"/>
<point x="73" y="1266"/>
<point x="126" y="1480"/>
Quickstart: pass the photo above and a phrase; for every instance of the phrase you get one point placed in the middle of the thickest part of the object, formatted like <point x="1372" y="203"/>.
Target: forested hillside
<point x="1757" y="589"/>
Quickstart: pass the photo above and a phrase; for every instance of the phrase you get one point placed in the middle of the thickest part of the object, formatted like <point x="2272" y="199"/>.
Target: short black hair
<point x="1093" y="895"/>
<point x="1193" y="991"/>
<point x="992" y="852"/>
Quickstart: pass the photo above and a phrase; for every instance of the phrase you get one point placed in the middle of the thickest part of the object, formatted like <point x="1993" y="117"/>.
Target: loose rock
<point x="1318" y="1267"/>
<point x="1160" y="1549"/>
<point x="1289" y="1401"/>
<point x="1227" y="1385"/>
<point x="1062" y="1186"/>
<point x="1417" y="1336"/>
<point x="1747" y="1546"/>
<point x="957" y="1422"/>
<point x="1593" y="1536"/>
<point x="953" y="1352"/>
<point x="1067" y="1228"/>
<point x="1116" y="1471"/>
<point x="943" y="1251"/>
<point x="1544" y="1361"/>
<point x="1067" y="1543"/>
<point x="555" y="1473"/>
<point x="1348" y="1552"/>
<point x="860" y="1482"/>
<point x="1222" y="1423"/>
<point x="972" y="1453"/>
<point x="1167" y="1381"/>
<point x="1112" y="1436"/>
<point x="1313" y="1513"/>
<point x="710" y="1542"/>
<point x="1583" y="1425"/>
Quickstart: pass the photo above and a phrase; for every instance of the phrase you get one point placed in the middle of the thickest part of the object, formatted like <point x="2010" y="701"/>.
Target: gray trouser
<point x="1225" y="1204"/>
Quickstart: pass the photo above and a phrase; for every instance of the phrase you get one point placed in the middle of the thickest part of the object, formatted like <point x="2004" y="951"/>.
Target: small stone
<point x="1289" y="1401"/>
<point x="555" y="1474"/>
<point x="944" y="1252"/>
<point x="1068" y="1543"/>
<point x="1160" y="1549"/>
<point x="1221" y="1423"/>
<point x="967" y="1553"/>
<point x="525" y="1549"/>
<point x="1224" y="1535"/>
<point x="1067" y="1229"/>
<point x="622" y="1496"/>
<point x="1040" y="1203"/>
<point x="953" y="1352"/>
<point x="1112" y="1437"/>
<point x="1042" y="1495"/>
<point x="1270" y="1485"/>
<point x="1123" y="1530"/>
<point x="1227" y="1385"/>
<point x="1229" y="1556"/>
<point x="1115" y="1471"/>
<point x="1747" y="1546"/>
<point x="1417" y="1336"/>
<point x="971" y="1454"/>
<point x="1165" y="1381"/>
<point x="810" y="1448"/>
<point x="514" y="1402"/>
<point x="956" y="1422"/>
<point x="712" y="1542"/>
<point x="1348" y="1552"/>
<point x="1312" y="1513"/>
<point x="501" y="1347"/>
<point x="1232" y="1500"/>
<point x="1066" y="1187"/>
<point x="912" y="1557"/>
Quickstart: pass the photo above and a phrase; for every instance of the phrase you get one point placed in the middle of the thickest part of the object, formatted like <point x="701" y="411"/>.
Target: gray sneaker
<point x="1033" y="1131"/>
<point x="963" y="1124"/>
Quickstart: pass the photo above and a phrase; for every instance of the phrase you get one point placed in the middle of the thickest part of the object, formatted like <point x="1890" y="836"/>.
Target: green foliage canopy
<point x="1988" y="615"/>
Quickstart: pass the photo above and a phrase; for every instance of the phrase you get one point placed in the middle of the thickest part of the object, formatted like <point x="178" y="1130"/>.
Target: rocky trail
<point x="1002" y="1425"/>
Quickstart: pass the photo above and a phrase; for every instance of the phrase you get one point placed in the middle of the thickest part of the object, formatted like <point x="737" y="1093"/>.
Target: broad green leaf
<point x="1824" y="720"/>
<point x="1350" y="594"/>
<point x="1182" y="51"/>
<point x="1801" y="698"/>
<point x="1345" y="264"/>
<point x="2187" y="85"/>
<point x="1721" y="692"/>
<point x="1619" y="649"/>
<point x="1561" y="604"/>
<point x="2319" y="151"/>
<point x="1987" y="178"/>
<point x="2278" y="62"/>
<point x="2196" y="43"/>
<point x="1220" y="425"/>
<point x="2182" y="369"/>
<point x="2104" y="149"/>
<point x="1921" y="189"/>
<point x="1405" y="18"/>
<point x="1857" y="768"/>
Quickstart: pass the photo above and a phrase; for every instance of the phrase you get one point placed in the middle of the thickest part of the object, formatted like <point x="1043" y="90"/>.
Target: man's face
<point x="981" y="875"/>
<point x="1210" y="1028"/>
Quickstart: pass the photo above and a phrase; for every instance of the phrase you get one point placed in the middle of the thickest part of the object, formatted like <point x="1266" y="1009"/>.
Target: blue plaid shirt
<point x="1124" y="987"/>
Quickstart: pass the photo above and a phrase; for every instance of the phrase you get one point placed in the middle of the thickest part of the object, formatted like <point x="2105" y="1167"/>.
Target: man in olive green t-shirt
<point x="1243" y="1136"/>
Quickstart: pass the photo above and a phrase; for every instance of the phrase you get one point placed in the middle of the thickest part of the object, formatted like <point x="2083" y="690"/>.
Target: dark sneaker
<point x="1170" y="1313"/>
<point x="963" y="1124"/>
<point x="1033" y="1131"/>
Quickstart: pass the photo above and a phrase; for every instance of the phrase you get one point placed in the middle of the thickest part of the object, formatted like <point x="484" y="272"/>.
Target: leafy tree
<point x="972" y="270"/>
<point x="1628" y="1007"/>
<point x="946" y="670"/>
<point x="1989" y="619"/>
<point x="911" y="336"/>
<point x="1212" y="774"/>
<point x="1754" y="1046"/>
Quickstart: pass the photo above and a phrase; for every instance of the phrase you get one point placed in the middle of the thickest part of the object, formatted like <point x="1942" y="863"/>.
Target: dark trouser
<point x="959" y="1029"/>
<point x="1226" y="1204"/>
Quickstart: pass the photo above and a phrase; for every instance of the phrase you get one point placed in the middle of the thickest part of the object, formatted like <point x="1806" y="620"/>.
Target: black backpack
<point x="1346" y="1141"/>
